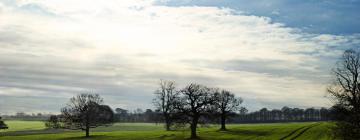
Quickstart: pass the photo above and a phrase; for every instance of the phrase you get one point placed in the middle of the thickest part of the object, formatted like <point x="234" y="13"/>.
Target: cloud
<point x="52" y="50"/>
<point x="315" y="16"/>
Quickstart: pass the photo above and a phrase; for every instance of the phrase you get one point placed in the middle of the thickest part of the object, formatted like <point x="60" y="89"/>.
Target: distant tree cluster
<point x="194" y="104"/>
<point x="285" y="114"/>
<point x="27" y="117"/>
<point x="138" y="115"/>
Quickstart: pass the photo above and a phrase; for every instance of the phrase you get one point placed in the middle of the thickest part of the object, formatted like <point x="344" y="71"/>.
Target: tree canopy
<point x="86" y="111"/>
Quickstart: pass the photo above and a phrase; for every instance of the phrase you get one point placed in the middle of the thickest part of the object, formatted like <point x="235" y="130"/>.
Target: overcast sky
<point x="272" y="53"/>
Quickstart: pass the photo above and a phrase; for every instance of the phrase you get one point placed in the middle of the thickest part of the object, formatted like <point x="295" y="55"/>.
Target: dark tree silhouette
<point x="286" y="114"/>
<point x="53" y="122"/>
<point x="226" y="103"/>
<point x="86" y="111"/>
<point x="165" y="96"/>
<point x="345" y="91"/>
<point x="121" y="115"/>
<point x="194" y="103"/>
<point x="2" y="124"/>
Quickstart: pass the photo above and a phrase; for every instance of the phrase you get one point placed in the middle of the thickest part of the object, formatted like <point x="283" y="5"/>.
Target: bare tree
<point x="86" y="111"/>
<point x="345" y="91"/>
<point x="226" y="103"/>
<point x="165" y="96"/>
<point x="194" y="102"/>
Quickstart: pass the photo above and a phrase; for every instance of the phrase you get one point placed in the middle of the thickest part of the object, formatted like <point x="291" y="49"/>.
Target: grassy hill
<point x="33" y="130"/>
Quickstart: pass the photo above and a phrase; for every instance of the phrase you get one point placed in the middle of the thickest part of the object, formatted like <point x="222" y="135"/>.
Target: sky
<point x="271" y="53"/>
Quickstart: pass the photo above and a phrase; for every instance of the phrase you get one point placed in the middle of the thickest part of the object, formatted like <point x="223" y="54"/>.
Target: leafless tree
<point x="165" y="96"/>
<point x="194" y="102"/>
<point x="86" y="111"/>
<point x="226" y="103"/>
<point x="345" y="90"/>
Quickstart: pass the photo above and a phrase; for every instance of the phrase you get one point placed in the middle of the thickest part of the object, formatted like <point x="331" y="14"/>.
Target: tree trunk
<point x="167" y="124"/>
<point x="223" y="119"/>
<point x="193" y="128"/>
<point x="87" y="131"/>
<point x="87" y="126"/>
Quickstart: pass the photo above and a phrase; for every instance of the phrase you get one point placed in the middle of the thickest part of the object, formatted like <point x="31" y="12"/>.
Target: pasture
<point x="35" y="130"/>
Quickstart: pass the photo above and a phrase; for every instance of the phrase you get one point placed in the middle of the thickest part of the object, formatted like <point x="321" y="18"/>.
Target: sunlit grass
<point x="24" y="125"/>
<point x="147" y="131"/>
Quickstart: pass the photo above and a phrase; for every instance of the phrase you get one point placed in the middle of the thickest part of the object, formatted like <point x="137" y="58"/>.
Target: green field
<point x="33" y="130"/>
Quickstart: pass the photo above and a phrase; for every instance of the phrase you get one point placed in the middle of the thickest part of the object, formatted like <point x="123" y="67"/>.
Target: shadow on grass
<point x="32" y="132"/>
<point x="198" y="138"/>
<point x="104" y="137"/>
<point x="246" y="132"/>
<point x="167" y="136"/>
<point x="177" y="137"/>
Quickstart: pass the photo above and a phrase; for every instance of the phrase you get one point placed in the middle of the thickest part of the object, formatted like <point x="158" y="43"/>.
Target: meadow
<point x="35" y="130"/>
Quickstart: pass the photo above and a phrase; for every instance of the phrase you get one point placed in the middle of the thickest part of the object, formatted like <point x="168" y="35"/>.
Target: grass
<point x="24" y="125"/>
<point x="20" y="130"/>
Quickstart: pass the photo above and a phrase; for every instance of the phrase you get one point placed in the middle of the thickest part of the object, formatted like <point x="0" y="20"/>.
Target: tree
<point x="86" y="111"/>
<point x="121" y="115"/>
<point x="121" y="111"/>
<point x="345" y="91"/>
<point x="243" y="111"/>
<point x="53" y="122"/>
<point x="226" y="103"/>
<point x="263" y="114"/>
<point x="3" y="125"/>
<point x="194" y="103"/>
<point x="324" y="114"/>
<point x="150" y="115"/>
<point x="163" y="101"/>
<point x="286" y="113"/>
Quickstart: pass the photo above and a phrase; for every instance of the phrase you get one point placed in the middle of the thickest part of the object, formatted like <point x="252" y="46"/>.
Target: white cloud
<point x="121" y="49"/>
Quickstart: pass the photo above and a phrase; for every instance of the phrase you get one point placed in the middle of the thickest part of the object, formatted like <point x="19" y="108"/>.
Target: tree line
<point x="27" y="117"/>
<point x="285" y="114"/>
